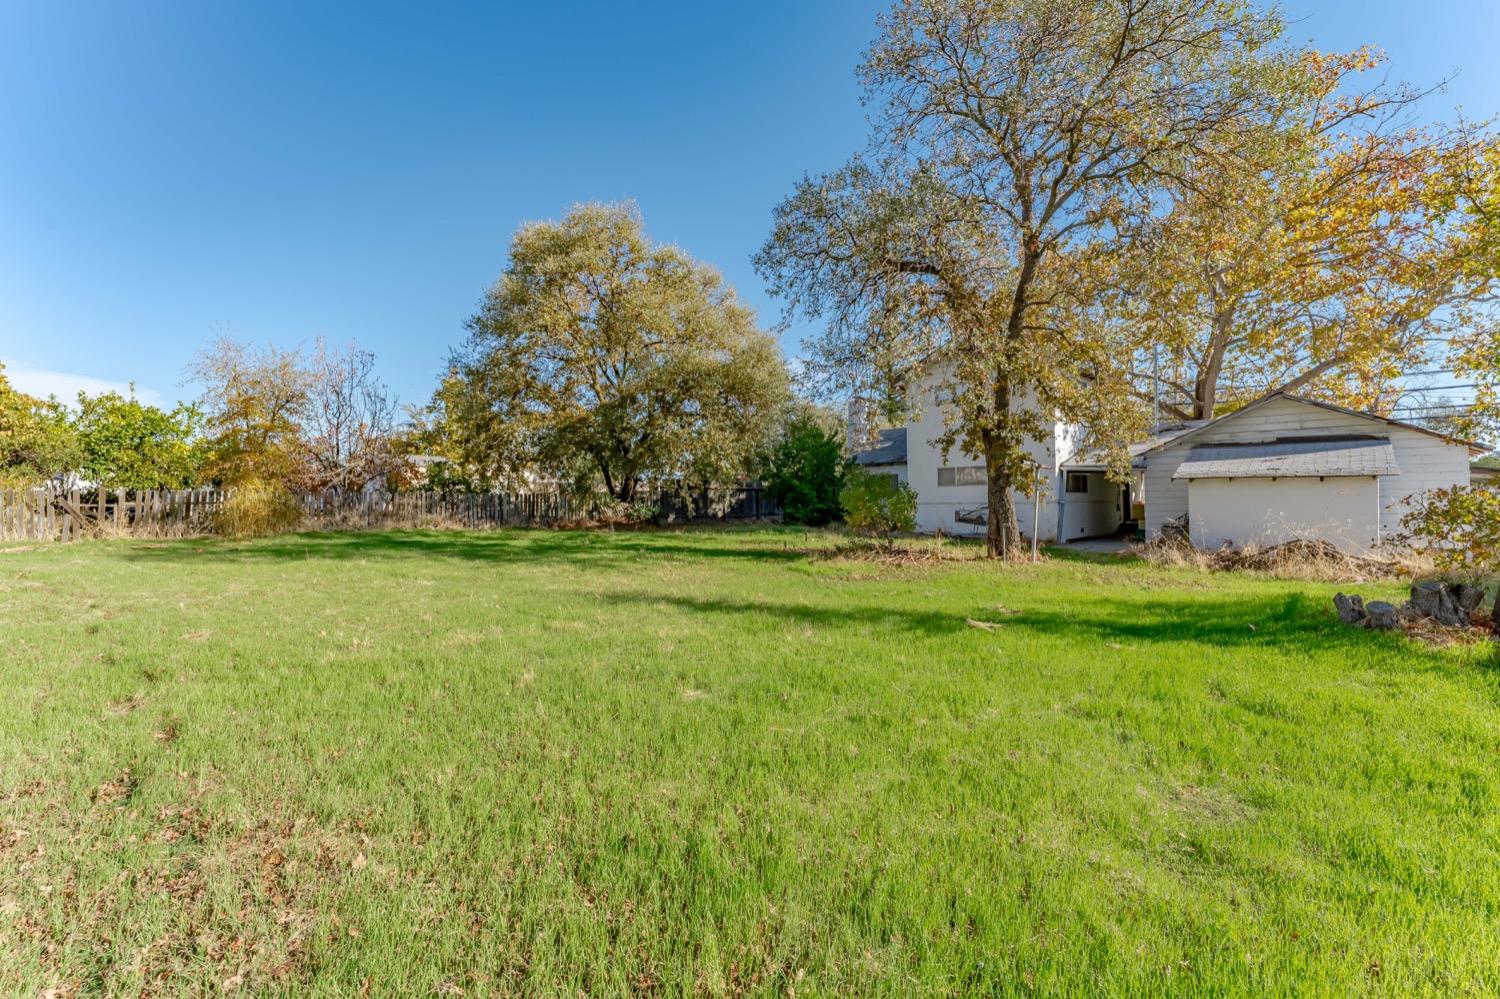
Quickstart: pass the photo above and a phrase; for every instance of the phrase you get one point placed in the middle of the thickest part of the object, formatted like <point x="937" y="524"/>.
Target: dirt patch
<point x="117" y="790"/>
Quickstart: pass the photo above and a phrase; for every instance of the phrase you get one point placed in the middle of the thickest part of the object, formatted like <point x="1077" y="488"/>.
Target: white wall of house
<point x="1426" y="462"/>
<point x="1343" y="511"/>
<point x="938" y="504"/>
<point x="1094" y="512"/>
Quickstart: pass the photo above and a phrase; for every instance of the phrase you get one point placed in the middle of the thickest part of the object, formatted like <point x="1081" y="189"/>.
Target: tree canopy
<point x="1016" y="143"/>
<point x="602" y="358"/>
<point x="253" y="401"/>
<point x="1331" y="257"/>
<point x="127" y="444"/>
<point x="37" y="442"/>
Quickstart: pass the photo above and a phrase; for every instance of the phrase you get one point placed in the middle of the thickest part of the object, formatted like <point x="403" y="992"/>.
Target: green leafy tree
<point x="878" y="505"/>
<point x="128" y="444"/>
<point x="37" y="442"/>
<point x="605" y="360"/>
<point x="1017" y="143"/>
<point x="805" y="472"/>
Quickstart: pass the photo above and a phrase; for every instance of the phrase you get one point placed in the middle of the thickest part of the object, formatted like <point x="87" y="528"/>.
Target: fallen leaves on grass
<point x="116" y="790"/>
<point x="125" y="705"/>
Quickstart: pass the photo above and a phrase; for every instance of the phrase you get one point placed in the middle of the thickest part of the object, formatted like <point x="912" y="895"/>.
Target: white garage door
<point x="1344" y="511"/>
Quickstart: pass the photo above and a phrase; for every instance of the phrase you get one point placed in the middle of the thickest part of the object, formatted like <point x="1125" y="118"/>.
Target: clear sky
<point x="172" y="170"/>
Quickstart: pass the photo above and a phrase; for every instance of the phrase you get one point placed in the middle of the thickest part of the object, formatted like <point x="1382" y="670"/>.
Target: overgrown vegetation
<point x="701" y="763"/>
<point x="257" y="508"/>
<point x="1460" y="529"/>
<point x="877" y="505"/>
<point x="805" y="471"/>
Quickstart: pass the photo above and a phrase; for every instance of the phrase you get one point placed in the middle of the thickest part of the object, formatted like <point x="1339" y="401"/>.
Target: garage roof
<point x="1303" y="457"/>
<point x="1475" y="449"/>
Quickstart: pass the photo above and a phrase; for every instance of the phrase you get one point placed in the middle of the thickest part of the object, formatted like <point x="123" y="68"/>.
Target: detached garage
<point x="1286" y="468"/>
<point x="1288" y="489"/>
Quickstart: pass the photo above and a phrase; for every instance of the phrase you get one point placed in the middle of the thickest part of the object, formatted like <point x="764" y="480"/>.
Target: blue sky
<point x="169" y="171"/>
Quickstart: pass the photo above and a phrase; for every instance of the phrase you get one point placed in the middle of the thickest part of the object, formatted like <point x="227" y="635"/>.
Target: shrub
<point x="805" y="472"/>
<point x="878" y="505"/>
<point x="257" y="507"/>
<point x="1460" y="529"/>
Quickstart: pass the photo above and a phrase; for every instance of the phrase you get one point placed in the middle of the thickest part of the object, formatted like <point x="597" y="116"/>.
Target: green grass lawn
<point x="706" y="763"/>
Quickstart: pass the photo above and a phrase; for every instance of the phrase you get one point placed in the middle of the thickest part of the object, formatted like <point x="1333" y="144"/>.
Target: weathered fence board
<point x="51" y="514"/>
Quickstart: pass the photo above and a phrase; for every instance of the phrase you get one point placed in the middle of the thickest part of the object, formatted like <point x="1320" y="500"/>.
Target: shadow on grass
<point x="505" y="546"/>
<point x="1282" y="623"/>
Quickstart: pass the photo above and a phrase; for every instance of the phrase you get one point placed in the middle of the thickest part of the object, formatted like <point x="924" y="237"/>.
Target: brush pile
<point x="1302" y="559"/>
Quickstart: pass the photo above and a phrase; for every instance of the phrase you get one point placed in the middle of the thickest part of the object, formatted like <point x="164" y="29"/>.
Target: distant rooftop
<point x="889" y="448"/>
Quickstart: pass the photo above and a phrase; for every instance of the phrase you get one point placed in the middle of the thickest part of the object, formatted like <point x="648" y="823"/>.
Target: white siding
<point x="937" y="505"/>
<point x="1094" y="513"/>
<point x="1426" y="462"/>
<point x="1237" y="512"/>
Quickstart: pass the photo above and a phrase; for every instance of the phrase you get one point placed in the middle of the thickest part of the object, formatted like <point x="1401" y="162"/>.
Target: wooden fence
<point x="50" y="514"/>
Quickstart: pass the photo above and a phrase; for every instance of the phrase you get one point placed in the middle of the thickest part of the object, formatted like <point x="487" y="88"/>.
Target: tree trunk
<point x="1206" y="386"/>
<point x="1002" y="535"/>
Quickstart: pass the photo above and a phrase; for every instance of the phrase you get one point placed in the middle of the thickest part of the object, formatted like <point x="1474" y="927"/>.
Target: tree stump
<point x="1467" y="597"/>
<point x="1382" y="616"/>
<point x="1436" y="601"/>
<point x="1351" y="608"/>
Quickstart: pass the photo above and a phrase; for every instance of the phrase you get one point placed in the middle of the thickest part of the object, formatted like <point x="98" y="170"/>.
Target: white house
<point x="1281" y="468"/>
<point x="950" y="487"/>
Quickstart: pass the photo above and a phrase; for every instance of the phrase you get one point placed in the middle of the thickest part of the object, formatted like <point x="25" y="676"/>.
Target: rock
<point x="1383" y="616"/>
<point x="1351" y="608"/>
<point x="1436" y="601"/>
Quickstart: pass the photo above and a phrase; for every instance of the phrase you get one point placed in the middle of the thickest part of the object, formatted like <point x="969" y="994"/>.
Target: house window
<point x="970" y="475"/>
<point x="1076" y="482"/>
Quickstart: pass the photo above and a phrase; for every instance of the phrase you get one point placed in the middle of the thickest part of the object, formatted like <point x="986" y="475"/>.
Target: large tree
<point x="1474" y="347"/>
<point x="604" y="359"/>
<point x="1331" y="257"/>
<point x="1017" y="141"/>
<point x="126" y="443"/>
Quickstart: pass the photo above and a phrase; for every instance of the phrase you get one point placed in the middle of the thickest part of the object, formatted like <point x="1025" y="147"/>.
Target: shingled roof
<point x="889" y="449"/>
<point x="1302" y="457"/>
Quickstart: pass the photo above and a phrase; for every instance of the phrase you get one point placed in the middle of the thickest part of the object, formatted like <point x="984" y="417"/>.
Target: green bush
<point x="805" y="472"/>
<point x="256" y="508"/>
<point x="878" y="505"/>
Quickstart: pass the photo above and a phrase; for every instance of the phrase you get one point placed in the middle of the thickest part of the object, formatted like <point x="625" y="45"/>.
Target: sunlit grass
<point x="563" y="763"/>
